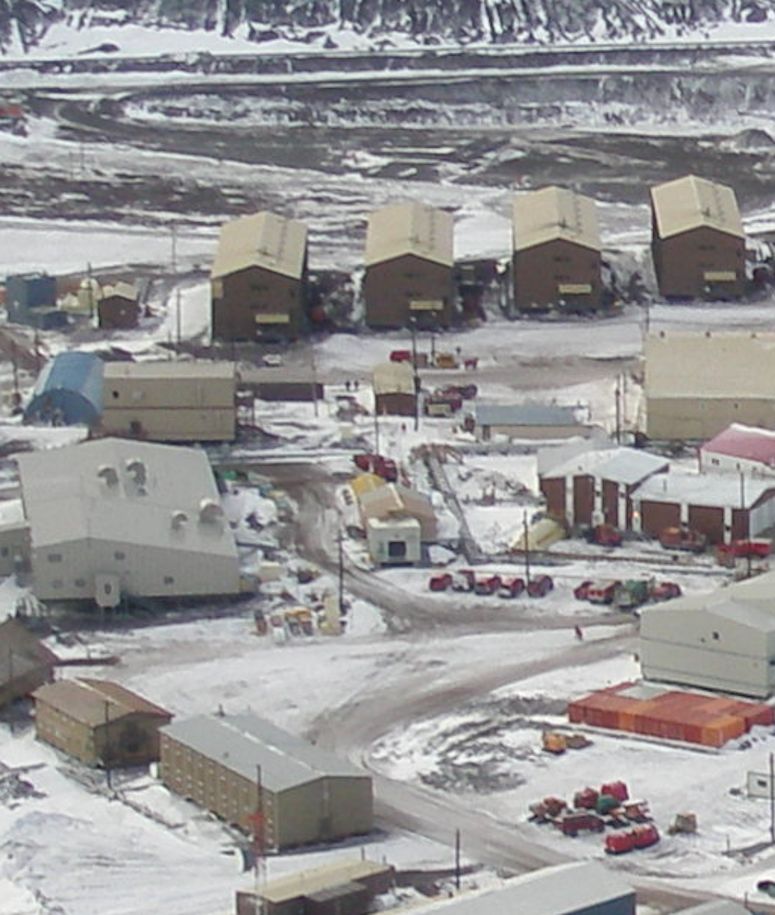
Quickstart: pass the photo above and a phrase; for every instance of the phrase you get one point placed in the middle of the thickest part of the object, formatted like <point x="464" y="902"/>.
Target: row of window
<point x="58" y="583"/>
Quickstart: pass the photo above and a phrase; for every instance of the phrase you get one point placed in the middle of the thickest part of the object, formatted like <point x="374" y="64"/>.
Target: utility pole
<point x="106" y="752"/>
<point x="90" y="291"/>
<point x="416" y="376"/>
<point x="618" y="407"/>
<point x="10" y="681"/>
<point x="772" y="799"/>
<point x="17" y="398"/>
<point x="314" y="381"/>
<point x="376" y="428"/>
<point x="341" y="572"/>
<point x="178" y="320"/>
<point x="174" y="248"/>
<point x="526" y="533"/>
<point x="259" y="844"/>
<point x="457" y="859"/>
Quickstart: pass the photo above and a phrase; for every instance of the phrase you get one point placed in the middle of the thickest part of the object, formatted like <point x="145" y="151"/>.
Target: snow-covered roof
<point x="393" y="378"/>
<point x="746" y="442"/>
<point x="691" y="203"/>
<point x="122" y="290"/>
<point x="758" y="615"/>
<point x="710" y="365"/>
<point x="261" y="240"/>
<point x="240" y="743"/>
<point x="393" y="500"/>
<point x="167" y="369"/>
<point x="711" y="489"/>
<point x="410" y="228"/>
<point x="717" y="907"/>
<point x="154" y="496"/>
<point x="554" y="213"/>
<point x="526" y="414"/>
<point x="620" y="465"/>
<point x="314" y="880"/>
<point x="558" y="890"/>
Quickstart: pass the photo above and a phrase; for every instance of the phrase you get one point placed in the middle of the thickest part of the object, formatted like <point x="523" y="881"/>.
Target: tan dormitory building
<point x="409" y="266"/>
<point x="259" y="278"/>
<point x="697" y="384"/>
<point x="556" y="251"/>
<point x="170" y="401"/>
<point x="698" y="241"/>
<point x="99" y="722"/>
<point x="307" y="795"/>
<point x="113" y="518"/>
<point x="394" y="389"/>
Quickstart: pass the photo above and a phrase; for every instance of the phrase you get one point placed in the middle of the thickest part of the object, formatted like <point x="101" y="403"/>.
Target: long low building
<point x="25" y="662"/>
<point x="235" y="765"/>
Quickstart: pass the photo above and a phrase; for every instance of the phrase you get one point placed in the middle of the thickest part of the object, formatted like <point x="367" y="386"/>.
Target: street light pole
<point x="412" y="322"/>
<point x="526" y="534"/>
<point x="341" y="573"/>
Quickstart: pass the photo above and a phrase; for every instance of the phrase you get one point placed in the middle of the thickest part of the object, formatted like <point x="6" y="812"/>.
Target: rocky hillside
<point x="22" y="22"/>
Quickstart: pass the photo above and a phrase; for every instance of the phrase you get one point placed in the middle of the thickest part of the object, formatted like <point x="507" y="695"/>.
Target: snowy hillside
<point x="23" y="23"/>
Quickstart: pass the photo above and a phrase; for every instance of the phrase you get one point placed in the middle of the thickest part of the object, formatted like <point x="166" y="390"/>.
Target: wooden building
<point x="345" y="887"/>
<point x="697" y="384"/>
<point x="307" y="795"/>
<point x="169" y="401"/>
<point x="394" y="389"/>
<point x="99" y="722"/>
<point x="409" y="267"/>
<point x="597" y="486"/>
<point x="556" y="251"/>
<point x="724" y="507"/>
<point x="118" y="307"/>
<point x="698" y="241"/>
<point x="25" y="662"/>
<point x="259" y="279"/>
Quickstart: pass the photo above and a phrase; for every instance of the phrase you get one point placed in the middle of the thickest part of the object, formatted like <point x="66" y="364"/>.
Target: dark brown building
<point x="25" y="663"/>
<point x="118" y="309"/>
<point x="99" y="722"/>
<point x="697" y="240"/>
<point x="259" y="278"/>
<point x="394" y="389"/>
<point x="556" y="245"/>
<point x="409" y="267"/>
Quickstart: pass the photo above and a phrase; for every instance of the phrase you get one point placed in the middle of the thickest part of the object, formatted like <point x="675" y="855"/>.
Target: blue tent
<point x="68" y="392"/>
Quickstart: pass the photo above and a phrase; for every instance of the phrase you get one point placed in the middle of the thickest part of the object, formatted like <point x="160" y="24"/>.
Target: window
<point x="397" y="549"/>
<point x="4" y="551"/>
<point x="114" y="394"/>
<point x="56" y="583"/>
<point x="54" y="557"/>
<point x="716" y="636"/>
<point x="169" y="580"/>
<point x="80" y="582"/>
<point x="119" y="554"/>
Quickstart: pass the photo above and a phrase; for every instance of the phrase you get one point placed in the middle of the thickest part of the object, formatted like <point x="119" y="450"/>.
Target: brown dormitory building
<point x="232" y="764"/>
<point x="556" y="251"/>
<point x="409" y="267"/>
<point x="259" y="278"/>
<point x="99" y="722"/>
<point x="698" y="242"/>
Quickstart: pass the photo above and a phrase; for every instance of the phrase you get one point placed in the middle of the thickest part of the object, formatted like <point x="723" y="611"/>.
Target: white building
<point x="170" y="401"/>
<point x="723" y="641"/>
<point x="114" y="517"/>
<point x="395" y="541"/>
<point x="740" y="449"/>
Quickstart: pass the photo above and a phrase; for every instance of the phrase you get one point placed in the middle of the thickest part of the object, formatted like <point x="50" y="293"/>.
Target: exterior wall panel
<point x="693" y="419"/>
<point x="390" y="286"/>
<point x="239" y="297"/>
<point x="682" y="261"/>
<point x="656" y="516"/>
<point x="583" y="499"/>
<point x="539" y="272"/>
<point x="554" y="493"/>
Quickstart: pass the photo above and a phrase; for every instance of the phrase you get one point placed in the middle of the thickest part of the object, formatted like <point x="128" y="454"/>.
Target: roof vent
<point x="179" y="518"/>
<point x="137" y="470"/>
<point x="108" y="474"/>
<point x="210" y="512"/>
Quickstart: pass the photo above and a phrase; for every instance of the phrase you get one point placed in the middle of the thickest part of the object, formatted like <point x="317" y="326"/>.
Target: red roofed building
<point x="740" y="449"/>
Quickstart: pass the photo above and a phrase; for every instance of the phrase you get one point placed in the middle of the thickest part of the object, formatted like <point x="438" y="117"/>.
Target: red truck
<point x="617" y="790"/>
<point x="487" y="584"/>
<point x="463" y="580"/>
<point x="683" y="538"/>
<point x="581" y="591"/>
<point x="602" y="592"/>
<point x="571" y="824"/>
<point x="727" y="554"/>
<point x="376" y="463"/>
<point x="511" y="587"/>
<point x="540" y="586"/>
<point x="440" y="582"/>
<point x="619" y="843"/>
<point x="665" y="590"/>
<point x="604" y="535"/>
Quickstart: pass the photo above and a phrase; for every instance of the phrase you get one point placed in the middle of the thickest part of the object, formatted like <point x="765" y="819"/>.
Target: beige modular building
<point x="25" y="662"/>
<point x="698" y="241"/>
<point x="556" y="251"/>
<point x="527" y="421"/>
<point x="99" y="722"/>
<point x="113" y="518"/>
<point x="394" y="389"/>
<point x="699" y="383"/>
<point x="170" y="401"/>
<point x="259" y="278"/>
<point x="409" y="266"/>
<point x="394" y="542"/>
<point x="720" y="641"/>
<point x="342" y="888"/>
<point x="306" y="794"/>
<point x="394" y="501"/>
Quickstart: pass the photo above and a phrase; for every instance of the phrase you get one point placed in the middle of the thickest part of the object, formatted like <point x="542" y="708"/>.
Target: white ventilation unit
<point x="210" y="512"/>
<point x="108" y="475"/>
<point x="178" y="520"/>
<point x="137" y="470"/>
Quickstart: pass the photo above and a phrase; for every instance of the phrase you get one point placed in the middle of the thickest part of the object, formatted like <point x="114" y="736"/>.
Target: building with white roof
<point x="724" y="640"/>
<point x="556" y="251"/>
<point x="113" y="518"/>
<point x="740" y="449"/>
<point x="394" y="389"/>
<point x="409" y="266"/>
<point x="235" y="764"/>
<point x="724" y="507"/>
<point x="697" y="384"/>
<point x="258" y="279"/>
<point x="698" y="241"/>
<point x="578" y="888"/>
<point x="596" y="485"/>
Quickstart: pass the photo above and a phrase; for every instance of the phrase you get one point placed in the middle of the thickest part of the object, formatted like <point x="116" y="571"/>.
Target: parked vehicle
<point x="585" y="799"/>
<point x="450" y="395"/>
<point x="631" y="594"/>
<point x="511" y="587"/>
<point x="401" y="355"/>
<point x="646" y="835"/>
<point x="619" y="843"/>
<point x="604" y="535"/>
<point x="471" y="363"/>
<point x="440" y="582"/>
<point x="454" y="391"/>
<point x="665" y="590"/>
<point x="727" y="554"/>
<point x="553" y="742"/>
<point x="581" y="591"/>
<point x="573" y="823"/>
<point x="617" y="789"/>
<point x="602" y="592"/>
<point x="463" y="580"/>
<point x="376" y="463"/>
<point x="540" y="586"/>
<point x="488" y="584"/>
<point x="439" y="406"/>
<point x="766" y="886"/>
<point x="683" y="538"/>
<point x="548" y="809"/>
<point x="445" y="361"/>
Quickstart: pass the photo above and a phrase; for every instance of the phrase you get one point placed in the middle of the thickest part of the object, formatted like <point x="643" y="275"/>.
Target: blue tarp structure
<point x="68" y="392"/>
